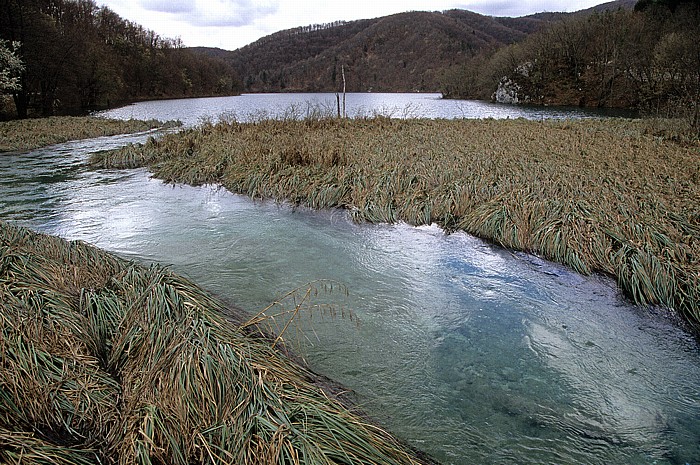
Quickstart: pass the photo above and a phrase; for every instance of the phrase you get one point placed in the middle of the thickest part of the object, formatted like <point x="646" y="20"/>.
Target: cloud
<point x="168" y="6"/>
<point x="497" y="8"/>
<point x="523" y="8"/>
<point x="214" y="13"/>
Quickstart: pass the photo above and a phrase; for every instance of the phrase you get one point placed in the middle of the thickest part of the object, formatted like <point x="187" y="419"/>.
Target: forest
<point x="405" y="52"/>
<point x="645" y="58"/>
<point x="71" y="57"/>
<point x="426" y="51"/>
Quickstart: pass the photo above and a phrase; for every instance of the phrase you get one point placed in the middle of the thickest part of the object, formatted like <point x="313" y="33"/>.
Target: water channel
<point x="472" y="353"/>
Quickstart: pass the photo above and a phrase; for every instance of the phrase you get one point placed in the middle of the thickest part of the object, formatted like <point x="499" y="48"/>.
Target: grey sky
<point x="230" y="24"/>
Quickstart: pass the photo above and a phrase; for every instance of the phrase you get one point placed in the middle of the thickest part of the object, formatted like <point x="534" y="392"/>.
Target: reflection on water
<point x="470" y="352"/>
<point x="251" y="106"/>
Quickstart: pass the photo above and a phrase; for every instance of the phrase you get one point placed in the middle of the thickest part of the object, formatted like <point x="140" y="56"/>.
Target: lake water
<point x="251" y="106"/>
<point x="465" y="350"/>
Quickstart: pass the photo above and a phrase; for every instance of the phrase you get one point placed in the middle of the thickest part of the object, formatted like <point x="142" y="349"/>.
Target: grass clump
<point x="105" y="361"/>
<point x="29" y="134"/>
<point x="597" y="195"/>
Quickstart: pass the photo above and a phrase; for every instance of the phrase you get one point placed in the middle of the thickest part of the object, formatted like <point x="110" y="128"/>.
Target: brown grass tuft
<point x="105" y="361"/>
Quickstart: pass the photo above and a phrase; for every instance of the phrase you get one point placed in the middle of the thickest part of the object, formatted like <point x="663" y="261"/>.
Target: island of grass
<point x="29" y="134"/>
<point x="602" y="196"/>
<point x="105" y="361"/>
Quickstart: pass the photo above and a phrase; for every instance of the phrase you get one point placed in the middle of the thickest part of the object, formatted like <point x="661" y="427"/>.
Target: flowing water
<point x="470" y="352"/>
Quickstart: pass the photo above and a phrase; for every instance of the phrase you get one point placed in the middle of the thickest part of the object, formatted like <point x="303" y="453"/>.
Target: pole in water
<point x="342" y="70"/>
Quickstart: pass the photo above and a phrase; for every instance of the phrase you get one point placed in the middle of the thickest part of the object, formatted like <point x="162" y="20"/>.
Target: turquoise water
<point x="465" y="350"/>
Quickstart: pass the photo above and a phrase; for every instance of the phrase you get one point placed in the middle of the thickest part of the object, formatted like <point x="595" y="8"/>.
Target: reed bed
<point x="105" y="361"/>
<point x="30" y="134"/>
<point x="597" y="195"/>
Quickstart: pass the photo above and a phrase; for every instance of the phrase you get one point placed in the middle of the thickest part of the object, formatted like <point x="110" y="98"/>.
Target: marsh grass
<point x="29" y="134"/>
<point x="597" y="195"/>
<point x="105" y="361"/>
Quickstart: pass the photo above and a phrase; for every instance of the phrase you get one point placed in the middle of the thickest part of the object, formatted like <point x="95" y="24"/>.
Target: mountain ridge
<point x="403" y="52"/>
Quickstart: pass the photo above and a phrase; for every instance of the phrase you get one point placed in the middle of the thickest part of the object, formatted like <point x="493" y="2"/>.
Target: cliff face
<point x="520" y="88"/>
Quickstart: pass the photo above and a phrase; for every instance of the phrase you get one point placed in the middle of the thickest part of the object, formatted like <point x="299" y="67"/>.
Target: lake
<point x="470" y="352"/>
<point x="248" y="107"/>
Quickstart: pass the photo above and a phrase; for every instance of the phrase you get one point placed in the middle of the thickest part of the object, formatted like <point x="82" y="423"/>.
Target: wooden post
<point x="342" y="70"/>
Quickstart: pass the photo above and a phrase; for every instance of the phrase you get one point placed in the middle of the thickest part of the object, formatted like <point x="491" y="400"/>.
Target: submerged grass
<point x="597" y="195"/>
<point x="29" y="134"/>
<point x="105" y="361"/>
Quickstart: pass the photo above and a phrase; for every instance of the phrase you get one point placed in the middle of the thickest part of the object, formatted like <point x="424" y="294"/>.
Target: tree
<point x="78" y="57"/>
<point x="642" y="5"/>
<point x="10" y="67"/>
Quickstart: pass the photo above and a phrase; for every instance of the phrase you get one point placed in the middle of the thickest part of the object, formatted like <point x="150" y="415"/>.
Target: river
<point x="472" y="353"/>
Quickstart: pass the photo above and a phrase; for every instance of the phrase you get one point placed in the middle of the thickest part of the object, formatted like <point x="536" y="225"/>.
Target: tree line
<point x="315" y="27"/>
<point x="647" y="58"/>
<point x="76" y="57"/>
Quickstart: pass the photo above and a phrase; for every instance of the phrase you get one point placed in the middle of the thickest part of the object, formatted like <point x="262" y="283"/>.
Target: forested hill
<point x="402" y="52"/>
<point x="76" y="56"/>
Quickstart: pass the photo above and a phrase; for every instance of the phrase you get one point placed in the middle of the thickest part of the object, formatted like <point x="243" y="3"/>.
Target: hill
<point x="402" y="52"/>
<point x="398" y="53"/>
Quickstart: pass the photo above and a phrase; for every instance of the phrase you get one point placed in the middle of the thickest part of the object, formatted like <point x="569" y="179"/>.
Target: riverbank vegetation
<point x="606" y="196"/>
<point x="23" y="135"/>
<point x="105" y="361"/>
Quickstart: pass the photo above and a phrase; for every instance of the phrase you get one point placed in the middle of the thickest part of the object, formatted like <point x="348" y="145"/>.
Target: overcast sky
<point x="230" y="24"/>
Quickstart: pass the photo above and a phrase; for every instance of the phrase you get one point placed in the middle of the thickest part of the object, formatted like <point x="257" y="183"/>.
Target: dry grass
<point x="599" y="196"/>
<point x="29" y="134"/>
<point x="104" y="361"/>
